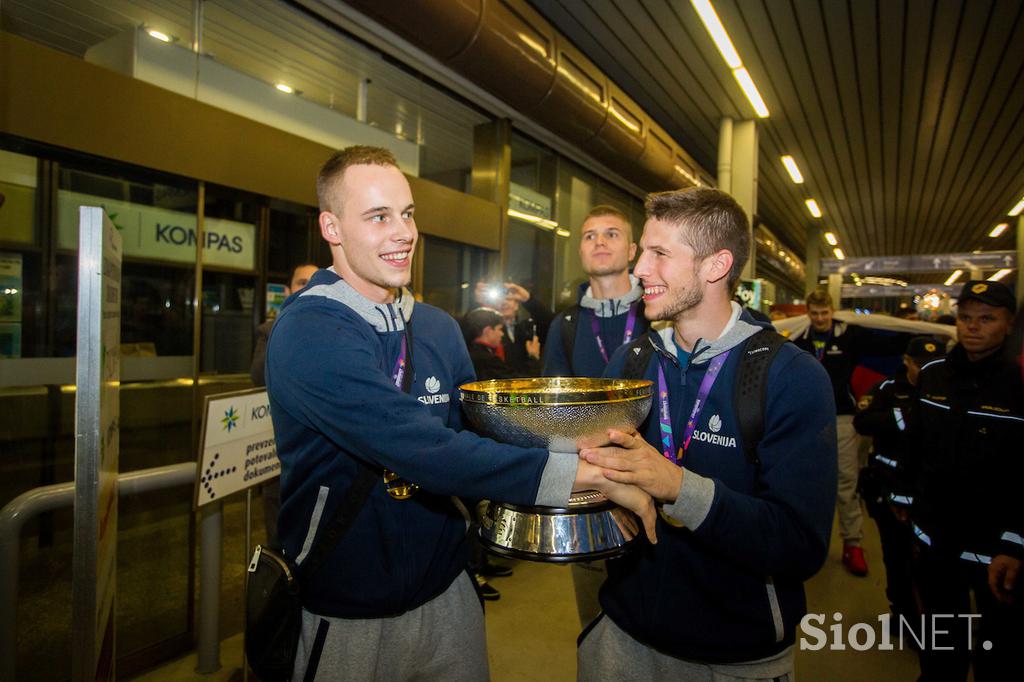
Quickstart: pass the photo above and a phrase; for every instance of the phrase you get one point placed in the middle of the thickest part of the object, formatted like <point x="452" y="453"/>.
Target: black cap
<point x="993" y="293"/>
<point x="926" y="348"/>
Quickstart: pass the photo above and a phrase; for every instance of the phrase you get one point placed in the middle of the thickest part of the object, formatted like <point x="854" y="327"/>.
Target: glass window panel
<point x="450" y="273"/>
<point x="291" y="228"/>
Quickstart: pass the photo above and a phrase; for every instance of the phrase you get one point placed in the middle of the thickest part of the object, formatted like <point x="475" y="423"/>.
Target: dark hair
<point x="819" y="297"/>
<point x="709" y="220"/>
<point x="478" y="319"/>
<point x="334" y="168"/>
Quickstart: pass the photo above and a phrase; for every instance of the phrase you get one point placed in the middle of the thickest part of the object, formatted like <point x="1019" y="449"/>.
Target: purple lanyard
<point x="398" y="373"/>
<point x="626" y="338"/>
<point x="665" y="412"/>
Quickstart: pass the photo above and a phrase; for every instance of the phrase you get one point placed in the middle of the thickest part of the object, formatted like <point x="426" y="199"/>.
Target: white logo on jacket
<point x="711" y="436"/>
<point x="433" y="385"/>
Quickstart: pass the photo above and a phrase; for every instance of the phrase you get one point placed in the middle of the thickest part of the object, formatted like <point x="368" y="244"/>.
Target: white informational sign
<point x="97" y="445"/>
<point x="161" y="234"/>
<point x="238" y="445"/>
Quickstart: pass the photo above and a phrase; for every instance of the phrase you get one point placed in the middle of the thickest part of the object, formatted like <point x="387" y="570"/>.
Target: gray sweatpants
<point x="847" y="499"/>
<point x="607" y="654"/>
<point x="442" y="640"/>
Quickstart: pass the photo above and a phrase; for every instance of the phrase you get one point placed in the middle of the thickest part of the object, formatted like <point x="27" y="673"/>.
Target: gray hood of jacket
<point x="610" y="307"/>
<point x="736" y="332"/>
<point x="384" y="317"/>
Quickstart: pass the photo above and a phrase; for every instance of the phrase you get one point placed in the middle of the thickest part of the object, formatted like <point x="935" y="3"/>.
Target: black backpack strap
<point x="357" y="494"/>
<point x="570" y="320"/>
<point x="751" y="393"/>
<point x="638" y="355"/>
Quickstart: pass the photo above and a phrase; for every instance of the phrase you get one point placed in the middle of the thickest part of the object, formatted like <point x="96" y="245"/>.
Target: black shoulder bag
<point x="273" y="586"/>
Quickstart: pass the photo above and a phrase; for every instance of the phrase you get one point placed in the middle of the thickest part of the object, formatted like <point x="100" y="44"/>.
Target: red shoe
<point x="853" y="559"/>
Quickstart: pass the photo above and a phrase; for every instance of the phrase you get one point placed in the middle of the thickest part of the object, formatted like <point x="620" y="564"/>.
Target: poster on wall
<point x="276" y="294"/>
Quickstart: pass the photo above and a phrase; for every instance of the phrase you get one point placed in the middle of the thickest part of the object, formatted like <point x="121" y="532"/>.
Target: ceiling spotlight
<point x="812" y="206"/>
<point x="159" y="35"/>
<point x="285" y="88"/>
<point x="830" y="237"/>
<point x="1015" y="211"/>
<point x="954" y="277"/>
<point x="839" y="253"/>
<point x="794" y="171"/>
<point x="998" y="229"/>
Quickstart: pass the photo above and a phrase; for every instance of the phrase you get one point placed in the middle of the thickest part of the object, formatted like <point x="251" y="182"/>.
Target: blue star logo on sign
<point x="230" y="419"/>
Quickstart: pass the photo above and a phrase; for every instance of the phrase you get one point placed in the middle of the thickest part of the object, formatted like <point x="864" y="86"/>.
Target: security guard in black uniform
<point x="883" y="414"/>
<point x="967" y="516"/>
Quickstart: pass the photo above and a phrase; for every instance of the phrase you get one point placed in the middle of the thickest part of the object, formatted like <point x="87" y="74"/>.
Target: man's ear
<point x="632" y="251"/>
<point x="717" y="265"/>
<point x="329" y="228"/>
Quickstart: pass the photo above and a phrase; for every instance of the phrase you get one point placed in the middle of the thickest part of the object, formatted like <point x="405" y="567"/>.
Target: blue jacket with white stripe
<point x="336" y="409"/>
<point x="968" y="435"/>
<point x="728" y="586"/>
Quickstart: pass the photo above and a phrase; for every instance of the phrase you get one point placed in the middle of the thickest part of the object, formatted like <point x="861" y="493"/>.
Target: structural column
<point x="737" y="172"/>
<point x="812" y="256"/>
<point x="491" y="173"/>
<point x="1020" y="260"/>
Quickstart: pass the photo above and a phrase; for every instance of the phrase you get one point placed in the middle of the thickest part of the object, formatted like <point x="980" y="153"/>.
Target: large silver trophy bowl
<point x="562" y="414"/>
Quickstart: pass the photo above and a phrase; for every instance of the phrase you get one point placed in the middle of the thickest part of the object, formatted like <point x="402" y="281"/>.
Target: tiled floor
<point x="532" y="629"/>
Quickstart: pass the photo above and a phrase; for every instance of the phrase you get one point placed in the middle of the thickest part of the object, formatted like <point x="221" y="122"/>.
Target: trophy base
<point x="583" y="531"/>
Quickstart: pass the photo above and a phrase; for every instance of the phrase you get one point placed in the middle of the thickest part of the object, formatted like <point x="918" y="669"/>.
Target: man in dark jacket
<point x="272" y="489"/>
<point x="484" y="331"/>
<point x="839" y="347"/>
<point x="609" y="312"/>
<point x="722" y="592"/>
<point x="363" y="385"/>
<point x="522" y="335"/>
<point x="883" y="414"/>
<point x="967" y="512"/>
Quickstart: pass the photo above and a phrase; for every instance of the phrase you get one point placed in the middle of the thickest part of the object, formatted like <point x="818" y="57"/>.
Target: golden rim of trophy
<point x="555" y="391"/>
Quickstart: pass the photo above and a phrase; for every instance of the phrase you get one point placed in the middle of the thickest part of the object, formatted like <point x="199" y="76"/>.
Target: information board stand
<point x="238" y="452"/>
<point x="97" y="443"/>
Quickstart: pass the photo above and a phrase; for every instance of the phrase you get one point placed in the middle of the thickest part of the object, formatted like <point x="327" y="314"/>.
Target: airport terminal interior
<point x="877" y="146"/>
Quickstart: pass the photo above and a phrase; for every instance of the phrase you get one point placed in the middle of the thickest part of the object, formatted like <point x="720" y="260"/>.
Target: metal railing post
<point x="30" y="504"/>
<point x="211" y="526"/>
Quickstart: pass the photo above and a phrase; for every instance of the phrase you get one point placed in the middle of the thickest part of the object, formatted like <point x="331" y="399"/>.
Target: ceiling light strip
<point x="954" y="277"/>
<point x="1016" y="210"/>
<point x="812" y="206"/>
<point x="1000" y="274"/>
<point x="831" y="238"/>
<point x="793" y="170"/>
<point x="998" y="230"/>
<point x="718" y="34"/>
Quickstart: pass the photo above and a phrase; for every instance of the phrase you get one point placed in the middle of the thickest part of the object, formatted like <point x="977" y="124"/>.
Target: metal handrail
<point x="48" y="498"/>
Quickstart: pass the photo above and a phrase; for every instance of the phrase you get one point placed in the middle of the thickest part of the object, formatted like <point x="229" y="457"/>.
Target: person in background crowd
<point x="742" y="524"/>
<point x="883" y="414"/>
<point x="522" y="336"/>
<point x="363" y="386"/>
<point x="967" y="515"/>
<point x="272" y="489"/>
<point x="483" y="329"/>
<point x="839" y="346"/>
<point x="608" y="313"/>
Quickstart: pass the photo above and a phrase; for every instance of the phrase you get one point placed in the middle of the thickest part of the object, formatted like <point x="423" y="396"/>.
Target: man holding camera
<point x="521" y="342"/>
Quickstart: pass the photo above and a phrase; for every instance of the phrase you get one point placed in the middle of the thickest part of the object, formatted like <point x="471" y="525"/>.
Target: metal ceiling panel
<point x="905" y="116"/>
